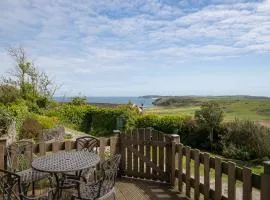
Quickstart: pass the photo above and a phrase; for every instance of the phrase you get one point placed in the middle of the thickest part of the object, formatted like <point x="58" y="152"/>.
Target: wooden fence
<point x="150" y="154"/>
<point x="40" y="149"/>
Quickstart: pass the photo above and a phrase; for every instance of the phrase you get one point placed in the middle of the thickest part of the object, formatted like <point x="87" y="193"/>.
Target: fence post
<point x="114" y="143"/>
<point x="175" y="139"/>
<point x="102" y="147"/>
<point x="3" y="143"/>
<point x="265" y="182"/>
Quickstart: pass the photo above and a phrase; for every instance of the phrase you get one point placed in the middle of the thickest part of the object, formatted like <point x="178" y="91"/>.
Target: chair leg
<point x="33" y="188"/>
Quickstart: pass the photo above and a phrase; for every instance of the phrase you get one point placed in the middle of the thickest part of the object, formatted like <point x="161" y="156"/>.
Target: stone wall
<point x="52" y="134"/>
<point x="10" y="137"/>
<point x="6" y="140"/>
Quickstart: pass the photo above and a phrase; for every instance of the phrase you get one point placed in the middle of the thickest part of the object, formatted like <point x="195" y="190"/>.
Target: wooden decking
<point x="133" y="189"/>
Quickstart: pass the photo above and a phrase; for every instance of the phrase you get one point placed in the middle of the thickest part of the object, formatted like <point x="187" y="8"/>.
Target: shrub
<point x="86" y="118"/>
<point x="8" y="94"/>
<point x="46" y="122"/>
<point x="19" y="111"/>
<point x="71" y="115"/>
<point x="30" y="129"/>
<point x="148" y="120"/>
<point x="245" y="140"/>
<point x="5" y="121"/>
<point x="79" y="101"/>
<point x="168" y="123"/>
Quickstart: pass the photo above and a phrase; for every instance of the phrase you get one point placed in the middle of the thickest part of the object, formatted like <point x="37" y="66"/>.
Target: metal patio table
<point x="68" y="161"/>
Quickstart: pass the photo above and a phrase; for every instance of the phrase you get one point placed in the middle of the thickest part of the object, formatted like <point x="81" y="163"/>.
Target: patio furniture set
<point x="62" y="170"/>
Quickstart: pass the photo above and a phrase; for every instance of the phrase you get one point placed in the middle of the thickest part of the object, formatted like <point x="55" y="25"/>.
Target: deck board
<point x="131" y="189"/>
<point x="136" y="189"/>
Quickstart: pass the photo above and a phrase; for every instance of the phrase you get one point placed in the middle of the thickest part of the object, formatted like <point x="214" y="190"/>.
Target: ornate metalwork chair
<point x="85" y="143"/>
<point x="104" y="188"/>
<point x="10" y="185"/>
<point x="19" y="159"/>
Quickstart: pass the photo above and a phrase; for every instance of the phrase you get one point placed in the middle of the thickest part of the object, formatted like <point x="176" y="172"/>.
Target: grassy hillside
<point x="243" y="107"/>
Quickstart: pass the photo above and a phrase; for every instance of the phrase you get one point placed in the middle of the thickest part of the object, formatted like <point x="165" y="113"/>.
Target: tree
<point x="79" y="100"/>
<point x="210" y="116"/>
<point x="33" y="84"/>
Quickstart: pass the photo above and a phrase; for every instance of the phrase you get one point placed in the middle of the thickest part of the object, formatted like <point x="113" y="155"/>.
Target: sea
<point x="146" y="102"/>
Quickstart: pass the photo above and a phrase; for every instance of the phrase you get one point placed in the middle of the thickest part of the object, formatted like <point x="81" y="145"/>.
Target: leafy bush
<point x="86" y="118"/>
<point x="79" y="101"/>
<point x="5" y="121"/>
<point x="168" y="124"/>
<point x="148" y="120"/>
<point x="8" y="94"/>
<point x="46" y="122"/>
<point x="19" y="110"/>
<point x="245" y="140"/>
<point x="30" y="129"/>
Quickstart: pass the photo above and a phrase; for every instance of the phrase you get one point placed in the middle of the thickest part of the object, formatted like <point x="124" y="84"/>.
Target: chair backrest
<point x="11" y="188"/>
<point x="87" y="143"/>
<point x="19" y="155"/>
<point x="9" y="185"/>
<point x="109" y="173"/>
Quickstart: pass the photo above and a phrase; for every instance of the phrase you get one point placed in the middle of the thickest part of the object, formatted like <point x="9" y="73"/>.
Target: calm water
<point x="147" y="102"/>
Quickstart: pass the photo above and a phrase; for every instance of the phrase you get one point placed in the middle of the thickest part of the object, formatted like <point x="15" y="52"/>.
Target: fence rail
<point x="150" y="154"/>
<point x="233" y="172"/>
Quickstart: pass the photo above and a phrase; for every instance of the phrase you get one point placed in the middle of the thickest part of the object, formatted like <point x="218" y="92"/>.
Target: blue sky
<point x="139" y="47"/>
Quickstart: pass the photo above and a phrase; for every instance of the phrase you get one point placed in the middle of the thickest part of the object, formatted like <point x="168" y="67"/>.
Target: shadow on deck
<point x="129" y="189"/>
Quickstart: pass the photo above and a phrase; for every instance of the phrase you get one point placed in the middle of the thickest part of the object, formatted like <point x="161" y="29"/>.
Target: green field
<point x="252" y="108"/>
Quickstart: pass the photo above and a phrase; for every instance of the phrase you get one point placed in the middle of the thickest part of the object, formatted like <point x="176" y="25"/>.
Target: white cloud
<point x="74" y="38"/>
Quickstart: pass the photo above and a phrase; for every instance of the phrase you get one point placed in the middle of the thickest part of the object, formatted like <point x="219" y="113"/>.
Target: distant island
<point x="184" y="101"/>
<point x="151" y="96"/>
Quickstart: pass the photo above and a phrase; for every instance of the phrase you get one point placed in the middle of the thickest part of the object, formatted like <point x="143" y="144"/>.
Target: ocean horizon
<point x="147" y="102"/>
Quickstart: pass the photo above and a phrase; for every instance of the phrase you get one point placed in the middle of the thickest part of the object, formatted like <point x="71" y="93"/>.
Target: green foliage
<point x="177" y="101"/>
<point x="79" y="101"/>
<point x="30" y="129"/>
<point x="242" y="107"/>
<point x="26" y="81"/>
<point x="45" y="121"/>
<point x="86" y="118"/>
<point x="245" y="140"/>
<point x="5" y="122"/>
<point x="71" y="115"/>
<point x="19" y="110"/>
<point x="68" y="136"/>
<point x="43" y="102"/>
<point x="148" y="120"/>
<point x="209" y="117"/>
<point x="8" y="94"/>
<point x="167" y="124"/>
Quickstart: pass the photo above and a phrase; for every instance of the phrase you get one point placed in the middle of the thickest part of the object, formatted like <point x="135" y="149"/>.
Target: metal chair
<point x="104" y="188"/>
<point x="19" y="159"/>
<point x="10" y="185"/>
<point x="85" y="143"/>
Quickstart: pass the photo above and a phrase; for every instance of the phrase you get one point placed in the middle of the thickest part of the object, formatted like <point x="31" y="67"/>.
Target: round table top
<point x="66" y="161"/>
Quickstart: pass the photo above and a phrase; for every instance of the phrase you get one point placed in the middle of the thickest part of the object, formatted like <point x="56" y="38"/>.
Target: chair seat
<point x="48" y="195"/>
<point x="31" y="175"/>
<point x="91" y="191"/>
<point x="85" y="173"/>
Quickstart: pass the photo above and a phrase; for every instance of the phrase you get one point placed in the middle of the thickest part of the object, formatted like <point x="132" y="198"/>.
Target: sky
<point x="142" y="47"/>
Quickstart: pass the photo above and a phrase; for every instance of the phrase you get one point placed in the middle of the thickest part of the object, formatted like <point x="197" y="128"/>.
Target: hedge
<point x="98" y="121"/>
<point x="165" y="123"/>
